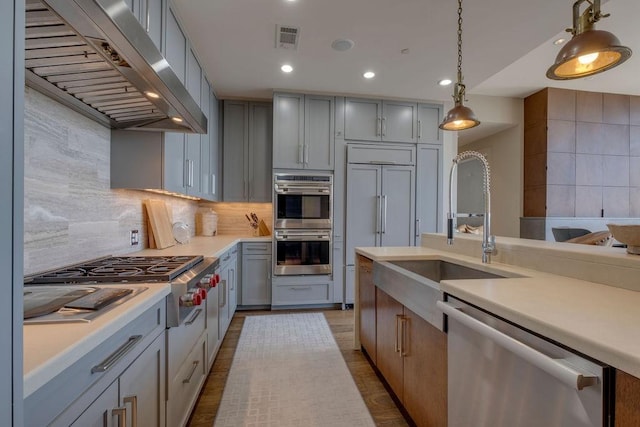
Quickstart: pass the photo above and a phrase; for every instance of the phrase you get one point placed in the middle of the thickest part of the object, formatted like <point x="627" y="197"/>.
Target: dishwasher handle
<point x="564" y="373"/>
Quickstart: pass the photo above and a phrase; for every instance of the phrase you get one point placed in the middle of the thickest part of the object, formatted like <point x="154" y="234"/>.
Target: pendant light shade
<point x="590" y="51"/>
<point x="459" y="117"/>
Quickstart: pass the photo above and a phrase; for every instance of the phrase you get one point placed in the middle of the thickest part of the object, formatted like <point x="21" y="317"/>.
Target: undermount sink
<point x="438" y="270"/>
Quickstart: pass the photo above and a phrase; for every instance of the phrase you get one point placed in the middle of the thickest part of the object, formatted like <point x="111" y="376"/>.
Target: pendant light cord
<point x="459" y="41"/>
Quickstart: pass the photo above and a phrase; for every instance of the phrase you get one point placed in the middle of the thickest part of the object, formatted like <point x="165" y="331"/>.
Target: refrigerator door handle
<point x="378" y="213"/>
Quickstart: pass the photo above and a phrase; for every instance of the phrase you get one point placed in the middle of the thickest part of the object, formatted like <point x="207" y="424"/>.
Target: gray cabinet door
<point x="429" y="117"/>
<point x="256" y="279"/>
<point x="152" y="21"/>
<point x="364" y="204"/>
<point x="399" y="121"/>
<point x="428" y="191"/>
<point x="260" y="152"/>
<point x="288" y="131"/>
<point x="363" y="119"/>
<point x="175" y="45"/>
<point x="318" y="132"/>
<point x="205" y="142"/>
<point x="214" y="135"/>
<point x="142" y="386"/>
<point x="233" y="284"/>
<point x="398" y="206"/>
<point x="192" y="164"/>
<point x="234" y="151"/>
<point x="100" y="412"/>
<point x="174" y="164"/>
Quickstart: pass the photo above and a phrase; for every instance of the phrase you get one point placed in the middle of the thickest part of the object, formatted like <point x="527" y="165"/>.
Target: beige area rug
<point x="288" y="371"/>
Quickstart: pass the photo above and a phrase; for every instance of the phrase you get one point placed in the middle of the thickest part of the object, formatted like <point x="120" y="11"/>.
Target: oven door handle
<point x="303" y="237"/>
<point x="555" y="367"/>
<point x="301" y="190"/>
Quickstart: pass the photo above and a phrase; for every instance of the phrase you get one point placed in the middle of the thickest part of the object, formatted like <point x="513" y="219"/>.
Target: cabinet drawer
<point x="256" y="248"/>
<point x="78" y="384"/>
<point x="185" y="385"/>
<point x="316" y="293"/>
<point x="181" y="339"/>
<point x="381" y="154"/>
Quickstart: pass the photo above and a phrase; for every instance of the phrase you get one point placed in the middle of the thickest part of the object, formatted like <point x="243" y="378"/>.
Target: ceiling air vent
<point x="287" y="37"/>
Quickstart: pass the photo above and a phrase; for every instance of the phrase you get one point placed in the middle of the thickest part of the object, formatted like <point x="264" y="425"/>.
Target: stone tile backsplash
<point x="70" y="212"/>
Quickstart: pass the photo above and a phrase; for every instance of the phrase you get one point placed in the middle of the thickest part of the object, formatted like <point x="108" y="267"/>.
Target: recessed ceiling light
<point x="152" y="94"/>
<point x="342" y="44"/>
<point x="177" y="119"/>
<point x="286" y="68"/>
<point x="559" y="41"/>
<point x="444" y="82"/>
<point x="369" y="75"/>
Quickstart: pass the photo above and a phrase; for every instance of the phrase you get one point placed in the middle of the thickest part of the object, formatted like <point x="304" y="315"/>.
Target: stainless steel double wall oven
<point x="303" y="221"/>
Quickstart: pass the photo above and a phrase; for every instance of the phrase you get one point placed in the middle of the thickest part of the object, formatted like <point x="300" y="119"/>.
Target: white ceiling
<point x="507" y="46"/>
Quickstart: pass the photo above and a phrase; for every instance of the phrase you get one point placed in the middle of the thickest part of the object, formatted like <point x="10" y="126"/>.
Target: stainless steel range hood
<point x="95" y="57"/>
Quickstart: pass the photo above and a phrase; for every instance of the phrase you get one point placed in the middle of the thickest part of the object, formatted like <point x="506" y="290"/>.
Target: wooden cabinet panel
<point x="627" y="410"/>
<point x="425" y="372"/>
<point x="389" y="359"/>
<point x="367" y="302"/>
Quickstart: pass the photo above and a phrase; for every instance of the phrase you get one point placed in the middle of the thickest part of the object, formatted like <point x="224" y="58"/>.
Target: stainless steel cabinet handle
<point x="306" y="154"/>
<point x="300" y="288"/>
<point x="403" y="335"/>
<point x="300" y="153"/>
<point x="554" y="367"/>
<point x="113" y="358"/>
<point x="378" y="213"/>
<point x="232" y="285"/>
<point x="384" y="126"/>
<point x="384" y="213"/>
<point x="191" y="163"/>
<point x="397" y="336"/>
<point x="193" y="319"/>
<point x="378" y="126"/>
<point x="419" y="128"/>
<point x="133" y="400"/>
<point x="193" y="371"/>
<point x="121" y="413"/>
<point x="223" y="287"/>
<point x="186" y="173"/>
<point x="147" y="22"/>
<point x="418" y="227"/>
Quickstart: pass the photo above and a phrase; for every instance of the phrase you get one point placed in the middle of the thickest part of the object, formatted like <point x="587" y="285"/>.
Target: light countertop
<point x="51" y="348"/>
<point x="598" y="320"/>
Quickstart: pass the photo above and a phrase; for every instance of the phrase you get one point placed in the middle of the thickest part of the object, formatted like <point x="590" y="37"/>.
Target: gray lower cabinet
<point x="137" y="397"/>
<point x="380" y="120"/>
<point x="429" y="118"/>
<point x="303" y="131"/>
<point x="133" y="359"/>
<point x="256" y="274"/>
<point x="213" y="333"/>
<point x="293" y="291"/>
<point x="247" y="151"/>
<point x="428" y="190"/>
<point x="227" y="289"/>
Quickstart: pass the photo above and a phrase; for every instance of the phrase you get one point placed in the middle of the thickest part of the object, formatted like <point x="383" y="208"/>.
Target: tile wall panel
<point x="615" y="202"/>
<point x="589" y="138"/>
<point x="615" y="109"/>
<point x="70" y="212"/>
<point x="634" y="140"/>
<point x="589" y="107"/>
<point x="588" y="201"/>
<point x="561" y="168"/>
<point x="588" y="169"/>
<point x="634" y="202"/>
<point x="232" y="220"/>
<point x="634" y="110"/>
<point x="615" y="171"/>
<point x="615" y="139"/>
<point x="634" y="171"/>
<point x="561" y="200"/>
<point x="561" y="136"/>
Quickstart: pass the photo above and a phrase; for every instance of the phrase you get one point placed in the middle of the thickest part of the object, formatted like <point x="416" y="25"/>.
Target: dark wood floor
<point x="377" y="399"/>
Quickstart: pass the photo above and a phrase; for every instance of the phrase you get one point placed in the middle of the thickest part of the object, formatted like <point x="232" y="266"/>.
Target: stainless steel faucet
<point x="488" y="241"/>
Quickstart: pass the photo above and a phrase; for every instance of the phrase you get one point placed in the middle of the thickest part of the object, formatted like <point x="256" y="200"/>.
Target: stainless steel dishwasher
<point x="500" y="375"/>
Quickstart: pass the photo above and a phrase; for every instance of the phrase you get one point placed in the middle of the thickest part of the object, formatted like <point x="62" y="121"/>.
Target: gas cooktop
<point x="119" y="269"/>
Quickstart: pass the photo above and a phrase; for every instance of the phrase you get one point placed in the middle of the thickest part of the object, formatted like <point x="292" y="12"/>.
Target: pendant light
<point x="459" y="117"/>
<point x="589" y="51"/>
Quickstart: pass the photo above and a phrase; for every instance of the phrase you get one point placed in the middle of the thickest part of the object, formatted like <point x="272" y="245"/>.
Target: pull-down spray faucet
<point x="488" y="241"/>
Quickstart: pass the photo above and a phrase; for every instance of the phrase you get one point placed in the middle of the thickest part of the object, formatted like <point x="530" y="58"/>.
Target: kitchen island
<point x="596" y="320"/>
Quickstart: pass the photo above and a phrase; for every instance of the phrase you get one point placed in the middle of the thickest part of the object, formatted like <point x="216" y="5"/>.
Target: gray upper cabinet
<point x="429" y="117"/>
<point x="303" y="131"/>
<point x="149" y="14"/>
<point x="247" y="151"/>
<point x="192" y="148"/>
<point x="428" y="190"/>
<point x="214" y="140"/>
<point x="175" y="44"/>
<point x="205" y="142"/>
<point x="380" y="120"/>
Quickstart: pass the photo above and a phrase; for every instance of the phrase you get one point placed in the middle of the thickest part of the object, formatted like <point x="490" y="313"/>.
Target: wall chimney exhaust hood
<point x="96" y="58"/>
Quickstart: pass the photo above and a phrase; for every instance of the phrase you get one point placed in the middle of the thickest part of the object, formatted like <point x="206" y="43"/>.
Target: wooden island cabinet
<point x="409" y="352"/>
<point x="627" y="409"/>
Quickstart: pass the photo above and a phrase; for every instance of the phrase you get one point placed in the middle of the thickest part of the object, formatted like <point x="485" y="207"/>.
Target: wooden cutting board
<point x="159" y="223"/>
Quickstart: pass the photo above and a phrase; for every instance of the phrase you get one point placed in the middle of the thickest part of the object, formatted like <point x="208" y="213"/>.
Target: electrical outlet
<point x="134" y="237"/>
